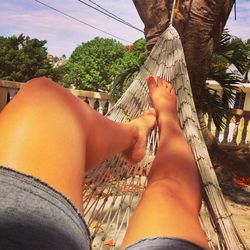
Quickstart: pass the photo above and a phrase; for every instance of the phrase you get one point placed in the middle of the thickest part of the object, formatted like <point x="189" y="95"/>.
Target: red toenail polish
<point x="151" y="78"/>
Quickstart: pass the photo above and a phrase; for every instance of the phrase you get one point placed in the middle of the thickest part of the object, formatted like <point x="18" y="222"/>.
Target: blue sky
<point x="63" y="34"/>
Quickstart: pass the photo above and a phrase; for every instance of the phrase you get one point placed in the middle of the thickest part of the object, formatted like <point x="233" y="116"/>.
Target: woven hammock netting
<point x="113" y="189"/>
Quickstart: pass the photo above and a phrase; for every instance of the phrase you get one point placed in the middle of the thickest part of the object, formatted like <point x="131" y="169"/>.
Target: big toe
<point x="151" y="84"/>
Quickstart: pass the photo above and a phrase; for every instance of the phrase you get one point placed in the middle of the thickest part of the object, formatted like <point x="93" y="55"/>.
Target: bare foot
<point x="141" y="127"/>
<point x="163" y="99"/>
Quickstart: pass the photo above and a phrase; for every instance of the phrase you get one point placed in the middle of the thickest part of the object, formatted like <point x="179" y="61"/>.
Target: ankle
<point x="168" y="120"/>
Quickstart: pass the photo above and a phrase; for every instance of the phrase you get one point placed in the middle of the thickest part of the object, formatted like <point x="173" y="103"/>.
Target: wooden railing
<point x="236" y="131"/>
<point x="99" y="101"/>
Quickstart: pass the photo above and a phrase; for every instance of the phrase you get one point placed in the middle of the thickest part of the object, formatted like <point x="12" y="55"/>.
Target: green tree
<point x="93" y="65"/>
<point x="22" y="58"/>
<point x="58" y="74"/>
<point x="133" y="59"/>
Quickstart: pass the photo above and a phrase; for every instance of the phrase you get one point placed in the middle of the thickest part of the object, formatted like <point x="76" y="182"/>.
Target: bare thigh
<point x="43" y="134"/>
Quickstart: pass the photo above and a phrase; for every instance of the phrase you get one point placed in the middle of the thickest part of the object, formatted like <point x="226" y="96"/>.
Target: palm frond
<point x="234" y="51"/>
<point x="218" y="105"/>
<point x="215" y="107"/>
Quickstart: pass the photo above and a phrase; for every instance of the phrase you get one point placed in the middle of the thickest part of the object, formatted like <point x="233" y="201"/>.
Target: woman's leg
<point x="171" y="202"/>
<point x="50" y="134"/>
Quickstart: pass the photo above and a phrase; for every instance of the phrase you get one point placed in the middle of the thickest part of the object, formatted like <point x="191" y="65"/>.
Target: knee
<point x="39" y="83"/>
<point x="43" y="88"/>
<point x="172" y="190"/>
<point x="47" y="95"/>
<point x="163" y="188"/>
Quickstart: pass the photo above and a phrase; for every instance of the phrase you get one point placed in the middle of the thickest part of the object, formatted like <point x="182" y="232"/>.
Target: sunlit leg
<point x="171" y="202"/>
<point x="48" y="133"/>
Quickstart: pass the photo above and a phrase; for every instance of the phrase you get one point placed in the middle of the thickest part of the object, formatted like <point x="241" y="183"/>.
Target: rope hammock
<point x="113" y="190"/>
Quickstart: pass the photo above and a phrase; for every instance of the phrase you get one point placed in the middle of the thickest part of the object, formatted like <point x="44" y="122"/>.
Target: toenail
<point x="151" y="78"/>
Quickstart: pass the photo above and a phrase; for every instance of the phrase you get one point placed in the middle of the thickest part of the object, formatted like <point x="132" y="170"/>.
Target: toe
<point x="151" y="84"/>
<point x="160" y="81"/>
<point x="172" y="90"/>
<point x="170" y="87"/>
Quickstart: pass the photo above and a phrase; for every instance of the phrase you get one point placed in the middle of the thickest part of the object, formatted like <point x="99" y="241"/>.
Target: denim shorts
<point x="34" y="216"/>
<point x="163" y="243"/>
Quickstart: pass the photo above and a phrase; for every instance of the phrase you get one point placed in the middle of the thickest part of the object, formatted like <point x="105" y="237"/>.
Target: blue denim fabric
<point x="34" y="216"/>
<point x="163" y="243"/>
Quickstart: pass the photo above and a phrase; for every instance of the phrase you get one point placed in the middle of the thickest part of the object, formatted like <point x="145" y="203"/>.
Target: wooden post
<point x="244" y="132"/>
<point x="92" y="102"/>
<point x="3" y="97"/>
<point x="226" y="131"/>
<point x="101" y="106"/>
<point x="235" y="136"/>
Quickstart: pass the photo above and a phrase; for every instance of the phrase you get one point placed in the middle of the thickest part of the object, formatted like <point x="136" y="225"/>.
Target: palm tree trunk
<point x="200" y="24"/>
